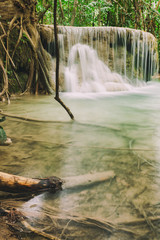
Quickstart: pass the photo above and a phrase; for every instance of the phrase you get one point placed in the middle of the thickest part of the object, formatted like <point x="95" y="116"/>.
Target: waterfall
<point x="96" y="59"/>
<point x="87" y="73"/>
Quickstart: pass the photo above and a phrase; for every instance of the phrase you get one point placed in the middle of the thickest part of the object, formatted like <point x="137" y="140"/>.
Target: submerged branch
<point x="65" y="107"/>
<point x="87" y="179"/>
<point x="38" y="232"/>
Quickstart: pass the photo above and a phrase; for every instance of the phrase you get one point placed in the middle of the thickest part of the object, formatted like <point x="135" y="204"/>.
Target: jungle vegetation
<point x="137" y="14"/>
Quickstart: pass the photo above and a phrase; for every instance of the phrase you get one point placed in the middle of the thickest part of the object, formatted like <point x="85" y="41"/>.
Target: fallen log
<point x="87" y="179"/>
<point x="18" y="184"/>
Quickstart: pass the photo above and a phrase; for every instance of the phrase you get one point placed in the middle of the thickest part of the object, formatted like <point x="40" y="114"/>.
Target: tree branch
<point x="57" y="63"/>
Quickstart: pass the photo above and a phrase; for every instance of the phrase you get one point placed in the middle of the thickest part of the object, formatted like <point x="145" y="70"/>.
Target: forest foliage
<point x="137" y="14"/>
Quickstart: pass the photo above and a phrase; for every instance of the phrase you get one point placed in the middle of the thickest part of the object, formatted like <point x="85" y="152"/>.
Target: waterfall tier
<point x="120" y="53"/>
<point x="87" y="73"/>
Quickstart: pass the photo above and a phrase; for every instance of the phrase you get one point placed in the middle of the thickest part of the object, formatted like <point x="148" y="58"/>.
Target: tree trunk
<point x="99" y="14"/>
<point x="20" y="43"/>
<point x="74" y="12"/>
<point x="61" y="8"/>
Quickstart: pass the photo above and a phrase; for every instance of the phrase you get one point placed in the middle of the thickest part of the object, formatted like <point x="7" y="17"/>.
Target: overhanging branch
<point x="57" y="98"/>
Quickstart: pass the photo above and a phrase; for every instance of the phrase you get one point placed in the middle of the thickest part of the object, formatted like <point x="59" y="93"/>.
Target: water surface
<point x="114" y="131"/>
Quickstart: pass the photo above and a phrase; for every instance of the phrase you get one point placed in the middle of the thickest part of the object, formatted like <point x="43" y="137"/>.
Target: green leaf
<point x="3" y="136"/>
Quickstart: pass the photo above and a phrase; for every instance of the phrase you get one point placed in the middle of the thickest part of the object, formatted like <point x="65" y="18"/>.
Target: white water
<point x="106" y="58"/>
<point x="87" y="73"/>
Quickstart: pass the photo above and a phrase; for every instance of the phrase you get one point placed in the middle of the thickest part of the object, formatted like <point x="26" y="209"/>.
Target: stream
<point x="117" y="131"/>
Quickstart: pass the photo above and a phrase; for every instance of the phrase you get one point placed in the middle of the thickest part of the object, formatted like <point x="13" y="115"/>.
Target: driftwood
<point x="18" y="184"/>
<point x="87" y="179"/>
<point x="19" y="222"/>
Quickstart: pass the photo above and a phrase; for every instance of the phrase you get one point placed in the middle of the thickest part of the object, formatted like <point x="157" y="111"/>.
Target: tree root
<point x="26" y="118"/>
<point x="30" y="77"/>
<point x="20" y="36"/>
<point x="7" y="53"/>
<point x="5" y="79"/>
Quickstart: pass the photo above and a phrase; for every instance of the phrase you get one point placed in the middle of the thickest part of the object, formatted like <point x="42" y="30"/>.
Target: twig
<point x="139" y="221"/>
<point x="38" y="232"/>
<point x="41" y="15"/>
<point x="139" y="157"/>
<point x="62" y="233"/>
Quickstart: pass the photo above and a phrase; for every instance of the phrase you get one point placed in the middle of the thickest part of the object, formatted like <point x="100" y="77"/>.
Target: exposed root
<point x="7" y="53"/>
<point x="30" y="78"/>
<point x="26" y="118"/>
<point x="20" y="36"/>
<point x="11" y="24"/>
<point x="30" y="40"/>
<point x="5" y="79"/>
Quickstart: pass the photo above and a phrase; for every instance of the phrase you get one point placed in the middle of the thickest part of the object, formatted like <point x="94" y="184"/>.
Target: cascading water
<point x="102" y="59"/>
<point x="87" y="73"/>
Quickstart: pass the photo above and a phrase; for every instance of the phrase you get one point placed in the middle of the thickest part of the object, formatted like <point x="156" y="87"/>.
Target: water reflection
<point x="113" y="132"/>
